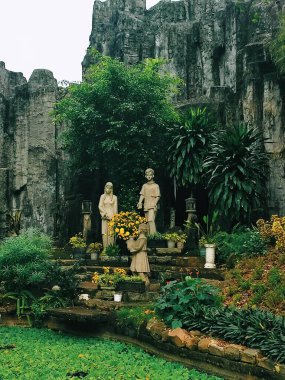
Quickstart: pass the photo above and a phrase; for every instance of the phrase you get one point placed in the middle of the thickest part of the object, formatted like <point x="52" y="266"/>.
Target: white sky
<point x="48" y="34"/>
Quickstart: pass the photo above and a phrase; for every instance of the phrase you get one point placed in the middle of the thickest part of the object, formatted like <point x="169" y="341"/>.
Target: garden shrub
<point x="66" y="279"/>
<point x="241" y="243"/>
<point x="177" y="297"/>
<point x="253" y="328"/>
<point x="25" y="260"/>
<point x="273" y="231"/>
<point x="133" y="317"/>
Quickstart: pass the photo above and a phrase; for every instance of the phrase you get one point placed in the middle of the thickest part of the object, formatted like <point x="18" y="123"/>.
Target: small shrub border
<point x="252" y="327"/>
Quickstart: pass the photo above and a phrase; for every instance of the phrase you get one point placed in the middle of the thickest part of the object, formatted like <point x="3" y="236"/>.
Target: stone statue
<point x="108" y="207"/>
<point x="149" y="196"/>
<point x="138" y="249"/>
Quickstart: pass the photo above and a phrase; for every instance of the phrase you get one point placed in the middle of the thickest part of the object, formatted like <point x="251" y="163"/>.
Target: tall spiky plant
<point x="188" y="148"/>
<point x="236" y="170"/>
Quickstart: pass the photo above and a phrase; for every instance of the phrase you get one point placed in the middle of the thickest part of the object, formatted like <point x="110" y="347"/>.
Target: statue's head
<point x="149" y="174"/>
<point x="143" y="227"/>
<point x="108" y="189"/>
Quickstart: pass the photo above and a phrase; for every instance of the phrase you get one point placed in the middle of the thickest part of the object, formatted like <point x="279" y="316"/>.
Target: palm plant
<point x="188" y="148"/>
<point x="236" y="170"/>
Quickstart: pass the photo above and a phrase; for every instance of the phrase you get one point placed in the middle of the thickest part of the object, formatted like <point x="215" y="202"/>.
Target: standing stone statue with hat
<point x="149" y="197"/>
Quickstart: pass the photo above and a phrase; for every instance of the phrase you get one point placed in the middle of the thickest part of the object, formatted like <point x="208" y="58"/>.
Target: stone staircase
<point x="166" y="264"/>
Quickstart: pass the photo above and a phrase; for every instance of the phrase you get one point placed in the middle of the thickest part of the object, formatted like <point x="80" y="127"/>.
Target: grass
<point x="32" y="354"/>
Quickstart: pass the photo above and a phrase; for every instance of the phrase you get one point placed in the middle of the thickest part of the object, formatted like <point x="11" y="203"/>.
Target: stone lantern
<point x="191" y="209"/>
<point x="86" y="210"/>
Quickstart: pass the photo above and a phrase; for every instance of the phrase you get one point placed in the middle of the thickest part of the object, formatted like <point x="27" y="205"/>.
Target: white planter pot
<point x="170" y="244"/>
<point x="94" y="255"/>
<point x="210" y="256"/>
<point x="118" y="297"/>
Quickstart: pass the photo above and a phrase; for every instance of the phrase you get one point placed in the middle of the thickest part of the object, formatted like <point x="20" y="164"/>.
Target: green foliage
<point x="23" y="300"/>
<point x="156" y="236"/>
<point x="189" y="147"/>
<point x="277" y="46"/>
<point x="44" y="354"/>
<point x="241" y="243"/>
<point x="177" y="297"/>
<point x="133" y="317"/>
<point x="207" y="235"/>
<point x="112" y="250"/>
<point x="236" y="172"/>
<point x="52" y="299"/>
<point x="274" y="277"/>
<point x="252" y="327"/>
<point x="67" y="280"/>
<point x="24" y="260"/>
<point x="118" y="118"/>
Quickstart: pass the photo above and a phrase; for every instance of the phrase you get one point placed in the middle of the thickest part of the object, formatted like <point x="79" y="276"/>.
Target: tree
<point x="236" y="171"/>
<point x="118" y="118"/>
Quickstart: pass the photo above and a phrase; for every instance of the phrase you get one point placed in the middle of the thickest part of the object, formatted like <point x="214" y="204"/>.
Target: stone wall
<point x="219" y="49"/>
<point x="28" y="153"/>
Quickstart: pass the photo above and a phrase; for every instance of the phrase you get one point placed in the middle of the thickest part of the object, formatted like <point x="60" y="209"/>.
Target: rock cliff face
<point x="28" y="165"/>
<point x="218" y="47"/>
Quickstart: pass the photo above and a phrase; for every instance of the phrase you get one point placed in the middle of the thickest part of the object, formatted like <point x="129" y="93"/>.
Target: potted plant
<point x="78" y="245"/>
<point x="108" y="280"/>
<point x="94" y="250"/>
<point x="207" y="239"/>
<point x="181" y="240"/>
<point x="131" y="284"/>
<point x="156" y="240"/>
<point x="125" y="224"/>
<point x="174" y="238"/>
<point x="112" y="250"/>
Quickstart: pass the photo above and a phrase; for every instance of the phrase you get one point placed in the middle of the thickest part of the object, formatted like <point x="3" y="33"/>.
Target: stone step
<point x="125" y="261"/>
<point x="127" y="296"/>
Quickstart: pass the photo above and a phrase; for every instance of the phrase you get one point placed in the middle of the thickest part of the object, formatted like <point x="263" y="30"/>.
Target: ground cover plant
<point x="257" y="282"/>
<point x="41" y="354"/>
<point x="260" y="282"/>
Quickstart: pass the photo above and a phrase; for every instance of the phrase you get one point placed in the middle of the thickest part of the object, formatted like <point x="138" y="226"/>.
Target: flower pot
<point x="78" y="253"/>
<point x="131" y="286"/>
<point x="180" y="245"/>
<point x="94" y="255"/>
<point x="202" y="251"/>
<point x="152" y="243"/>
<point x="170" y="244"/>
<point x="210" y="256"/>
<point x="118" y="297"/>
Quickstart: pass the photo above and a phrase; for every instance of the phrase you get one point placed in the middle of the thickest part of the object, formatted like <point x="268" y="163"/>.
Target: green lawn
<point x="27" y="353"/>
